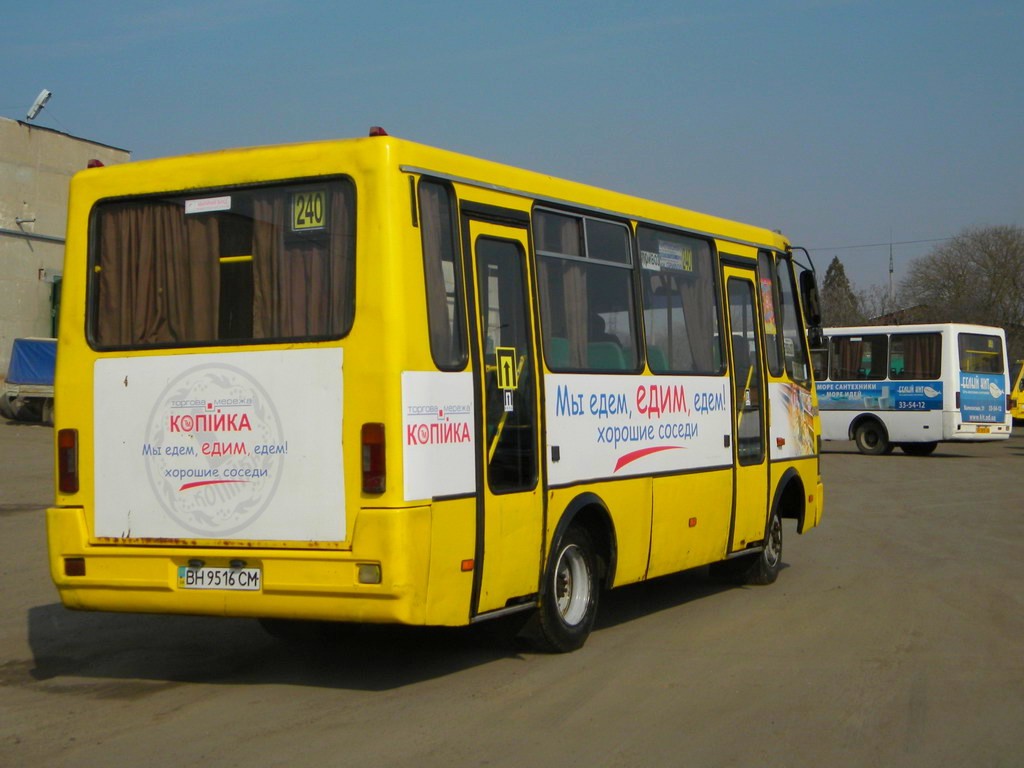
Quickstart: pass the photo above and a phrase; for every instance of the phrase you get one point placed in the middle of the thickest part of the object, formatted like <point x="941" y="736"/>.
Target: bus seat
<point x="656" y="359"/>
<point x="558" y="352"/>
<point x="605" y="355"/>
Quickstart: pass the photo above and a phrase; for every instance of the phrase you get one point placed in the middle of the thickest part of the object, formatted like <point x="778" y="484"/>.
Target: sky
<point x="855" y="127"/>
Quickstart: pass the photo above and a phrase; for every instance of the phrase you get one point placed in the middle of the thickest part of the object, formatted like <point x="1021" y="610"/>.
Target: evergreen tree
<point x="839" y="304"/>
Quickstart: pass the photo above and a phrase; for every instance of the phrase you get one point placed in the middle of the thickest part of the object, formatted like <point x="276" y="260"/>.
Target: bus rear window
<point x="980" y="353"/>
<point x="239" y="265"/>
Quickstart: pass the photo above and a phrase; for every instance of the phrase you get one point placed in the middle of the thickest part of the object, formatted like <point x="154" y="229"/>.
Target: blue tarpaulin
<point x="32" y="361"/>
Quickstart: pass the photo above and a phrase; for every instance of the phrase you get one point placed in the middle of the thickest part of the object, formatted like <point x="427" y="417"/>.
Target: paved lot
<point x="894" y="637"/>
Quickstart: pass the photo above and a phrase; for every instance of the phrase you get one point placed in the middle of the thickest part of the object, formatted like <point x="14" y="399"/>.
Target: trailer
<point x="27" y="392"/>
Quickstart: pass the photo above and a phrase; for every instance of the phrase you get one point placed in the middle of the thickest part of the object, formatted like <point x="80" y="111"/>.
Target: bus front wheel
<point x="872" y="439"/>
<point x="766" y="570"/>
<point x="568" y="604"/>
<point x="761" y="568"/>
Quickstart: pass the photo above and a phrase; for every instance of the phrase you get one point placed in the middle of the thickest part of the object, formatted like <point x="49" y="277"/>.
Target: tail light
<point x="67" y="460"/>
<point x="958" y="400"/>
<point x="374" y="469"/>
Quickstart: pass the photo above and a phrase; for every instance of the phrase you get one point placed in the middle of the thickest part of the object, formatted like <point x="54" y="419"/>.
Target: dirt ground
<point x="893" y="637"/>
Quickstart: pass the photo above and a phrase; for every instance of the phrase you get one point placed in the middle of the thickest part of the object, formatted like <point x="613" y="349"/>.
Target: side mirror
<point x="810" y="300"/>
<point x="815" y="337"/>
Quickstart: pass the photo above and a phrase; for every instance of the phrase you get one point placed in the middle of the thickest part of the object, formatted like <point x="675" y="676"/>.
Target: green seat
<point x="605" y="356"/>
<point x="558" y="352"/>
<point x="656" y="360"/>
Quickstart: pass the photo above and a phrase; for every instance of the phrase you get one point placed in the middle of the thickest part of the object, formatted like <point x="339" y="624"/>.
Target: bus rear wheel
<point x="872" y="439"/>
<point x="568" y="604"/>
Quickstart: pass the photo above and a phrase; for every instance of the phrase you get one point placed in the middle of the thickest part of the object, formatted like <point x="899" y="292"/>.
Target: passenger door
<point x="510" y="503"/>
<point x="750" y="497"/>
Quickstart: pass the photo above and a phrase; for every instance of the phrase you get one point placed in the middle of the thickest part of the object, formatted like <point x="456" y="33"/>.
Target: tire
<point x="919" y="449"/>
<point x="761" y="568"/>
<point x="568" y="604"/>
<point x="26" y="408"/>
<point x="872" y="439"/>
<point x="769" y="560"/>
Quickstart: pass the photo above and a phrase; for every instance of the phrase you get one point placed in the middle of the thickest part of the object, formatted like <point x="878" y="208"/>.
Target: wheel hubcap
<point x="572" y="585"/>
<point x="773" y="546"/>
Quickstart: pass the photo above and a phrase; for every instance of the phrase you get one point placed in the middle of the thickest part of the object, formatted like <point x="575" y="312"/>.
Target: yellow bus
<point x="368" y="380"/>
<point x="1017" y="393"/>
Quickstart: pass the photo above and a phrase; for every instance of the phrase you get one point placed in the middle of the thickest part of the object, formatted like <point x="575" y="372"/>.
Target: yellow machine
<point x="373" y="381"/>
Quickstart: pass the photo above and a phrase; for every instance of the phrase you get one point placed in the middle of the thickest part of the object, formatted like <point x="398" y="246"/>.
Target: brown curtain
<point x="575" y="294"/>
<point x="198" y="317"/>
<point x="574" y="301"/>
<point x="561" y="234"/>
<point x="846" y="357"/>
<point x="697" y="297"/>
<point x="299" y="283"/>
<point x="159" y="277"/>
<point x="694" y="352"/>
<point x="922" y="356"/>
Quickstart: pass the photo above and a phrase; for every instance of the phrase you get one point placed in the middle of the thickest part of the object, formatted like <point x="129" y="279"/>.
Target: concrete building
<point x="36" y="165"/>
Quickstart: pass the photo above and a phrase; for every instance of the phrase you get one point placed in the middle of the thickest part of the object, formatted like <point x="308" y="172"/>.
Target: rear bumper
<point x="307" y="583"/>
<point x="956" y="430"/>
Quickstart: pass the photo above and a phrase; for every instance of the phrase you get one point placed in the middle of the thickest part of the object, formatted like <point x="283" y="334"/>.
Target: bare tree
<point x="977" y="277"/>
<point x="878" y="304"/>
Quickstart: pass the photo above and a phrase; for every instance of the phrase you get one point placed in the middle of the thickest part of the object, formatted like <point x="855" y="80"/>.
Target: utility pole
<point x="892" y="292"/>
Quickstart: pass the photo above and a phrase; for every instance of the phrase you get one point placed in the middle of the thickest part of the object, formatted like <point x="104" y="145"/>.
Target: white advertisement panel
<point x="438" y="438"/>
<point x="617" y="426"/>
<point x="244" y="445"/>
<point x="792" y="430"/>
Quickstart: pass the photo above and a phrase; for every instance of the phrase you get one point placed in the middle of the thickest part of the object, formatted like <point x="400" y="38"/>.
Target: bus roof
<point x="856" y="330"/>
<point x="242" y="166"/>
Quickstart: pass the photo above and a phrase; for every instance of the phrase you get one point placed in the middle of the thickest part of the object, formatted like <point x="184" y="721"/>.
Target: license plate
<point x="243" y="579"/>
<point x="983" y="430"/>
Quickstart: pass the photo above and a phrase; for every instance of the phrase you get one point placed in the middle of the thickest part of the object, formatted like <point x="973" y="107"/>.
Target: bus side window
<point x="796" y="354"/>
<point x="915" y="355"/>
<point x="680" y="302"/>
<point x="443" y="274"/>
<point x="585" y="279"/>
<point x="766" y="277"/>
